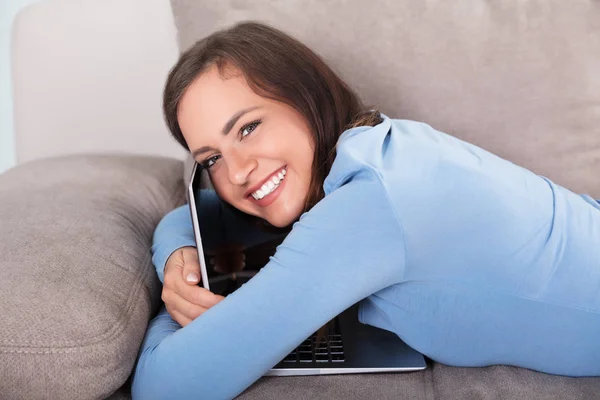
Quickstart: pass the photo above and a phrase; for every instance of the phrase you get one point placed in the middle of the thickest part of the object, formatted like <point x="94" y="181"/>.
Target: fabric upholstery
<point x="77" y="287"/>
<point x="438" y="382"/>
<point x="503" y="382"/>
<point x="412" y="385"/>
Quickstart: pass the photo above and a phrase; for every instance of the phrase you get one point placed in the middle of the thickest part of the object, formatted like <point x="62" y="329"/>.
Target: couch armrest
<point x="77" y="286"/>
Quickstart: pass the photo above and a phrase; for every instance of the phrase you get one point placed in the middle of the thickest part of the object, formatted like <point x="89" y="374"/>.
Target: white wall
<point x="102" y="90"/>
<point x="131" y="62"/>
<point x="8" y="9"/>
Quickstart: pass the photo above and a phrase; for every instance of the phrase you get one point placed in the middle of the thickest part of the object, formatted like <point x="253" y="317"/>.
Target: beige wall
<point x="88" y="77"/>
<point x="8" y="10"/>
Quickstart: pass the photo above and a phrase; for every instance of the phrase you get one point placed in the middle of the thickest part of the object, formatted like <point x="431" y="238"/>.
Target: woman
<point x="469" y="258"/>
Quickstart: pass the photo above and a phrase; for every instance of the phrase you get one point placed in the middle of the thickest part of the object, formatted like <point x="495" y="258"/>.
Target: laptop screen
<point x="224" y="271"/>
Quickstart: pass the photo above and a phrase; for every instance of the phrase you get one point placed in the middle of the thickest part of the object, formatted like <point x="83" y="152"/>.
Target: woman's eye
<point x="249" y="128"/>
<point x="209" y="162"/>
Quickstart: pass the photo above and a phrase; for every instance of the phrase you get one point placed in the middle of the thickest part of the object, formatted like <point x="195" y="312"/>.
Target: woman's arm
<point x="218" y="225"/>
<point x="347" y="247"/>
<point x="173" y="232"/>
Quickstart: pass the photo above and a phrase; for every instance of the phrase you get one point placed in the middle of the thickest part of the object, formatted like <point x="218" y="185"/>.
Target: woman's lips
<point x="271" y="197"/>
<point x="260" y="184"/>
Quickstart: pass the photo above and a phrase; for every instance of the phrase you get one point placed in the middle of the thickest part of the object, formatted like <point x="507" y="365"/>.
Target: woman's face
<point x="258" y="152"/>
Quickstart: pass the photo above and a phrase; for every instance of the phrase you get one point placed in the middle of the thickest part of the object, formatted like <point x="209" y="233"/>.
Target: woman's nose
<point x="239" y="168"/>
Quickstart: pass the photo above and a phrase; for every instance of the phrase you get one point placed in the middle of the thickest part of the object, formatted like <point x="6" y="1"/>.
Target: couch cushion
<point x="439" y="382"/>
<point x="503" y="382"/>
<point x="410" y="385"/>
<point x="516" y="78"/>
<point x="77" y="287"/>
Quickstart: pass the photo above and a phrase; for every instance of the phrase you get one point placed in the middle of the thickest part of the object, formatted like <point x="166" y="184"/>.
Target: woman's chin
<point x="280" y="222"/>
<point x="282" y="218"/>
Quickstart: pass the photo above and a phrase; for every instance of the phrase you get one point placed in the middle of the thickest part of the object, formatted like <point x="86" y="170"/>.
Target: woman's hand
<point x="183" y="298"/>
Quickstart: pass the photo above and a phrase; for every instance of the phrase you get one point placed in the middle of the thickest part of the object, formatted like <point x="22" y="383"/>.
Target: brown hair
<point x="278" y="67"/>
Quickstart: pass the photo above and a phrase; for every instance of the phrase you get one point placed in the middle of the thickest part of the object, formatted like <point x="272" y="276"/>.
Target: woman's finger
<point x="195" y="294"/>
<point x="182" y="306"/>
<point x="191" y="266"/>
<point x="175" y="263"/>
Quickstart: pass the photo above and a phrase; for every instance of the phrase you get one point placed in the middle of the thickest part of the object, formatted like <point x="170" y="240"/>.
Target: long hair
<point x="278" y="67"/>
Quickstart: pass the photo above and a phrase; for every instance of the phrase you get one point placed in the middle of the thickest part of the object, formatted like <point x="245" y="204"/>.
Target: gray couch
<point x="97" y="170"/>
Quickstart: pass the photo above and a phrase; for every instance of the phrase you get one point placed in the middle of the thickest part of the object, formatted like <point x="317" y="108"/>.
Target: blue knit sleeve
<point x="349" y="246"/>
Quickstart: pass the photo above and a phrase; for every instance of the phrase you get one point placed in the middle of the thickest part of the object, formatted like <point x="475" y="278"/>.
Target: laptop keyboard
<point x="321" y="349"/>
<point x="327" y="348"/>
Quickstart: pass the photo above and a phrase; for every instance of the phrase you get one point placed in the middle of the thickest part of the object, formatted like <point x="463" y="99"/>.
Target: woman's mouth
<point x="270" y="189"/>
<point x="270" y="185"/>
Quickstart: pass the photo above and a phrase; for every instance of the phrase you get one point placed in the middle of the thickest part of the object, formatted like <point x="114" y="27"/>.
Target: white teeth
<point x="269" y="186"/>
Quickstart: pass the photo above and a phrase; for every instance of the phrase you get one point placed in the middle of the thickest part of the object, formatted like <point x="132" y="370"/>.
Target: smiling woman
<point x="469" y="258"/>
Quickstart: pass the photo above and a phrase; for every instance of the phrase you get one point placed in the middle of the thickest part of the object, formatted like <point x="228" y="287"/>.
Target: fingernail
<point x="192" y="277"/>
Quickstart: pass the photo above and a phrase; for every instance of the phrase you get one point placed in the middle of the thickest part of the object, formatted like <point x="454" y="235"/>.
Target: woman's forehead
<point x="211" y="91"/>
<point x="213" y="100"/>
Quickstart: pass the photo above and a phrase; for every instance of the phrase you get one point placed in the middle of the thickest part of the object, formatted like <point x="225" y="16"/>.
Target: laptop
<point x="343" y="346"/>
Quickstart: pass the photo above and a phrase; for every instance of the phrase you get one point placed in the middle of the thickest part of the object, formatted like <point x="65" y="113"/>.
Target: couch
<point x="97" y="169"/>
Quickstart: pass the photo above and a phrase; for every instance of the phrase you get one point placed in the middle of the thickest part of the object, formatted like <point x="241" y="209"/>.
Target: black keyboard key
<point x="322" y="349"/>
<point x="290" y="359"/>
<point x="305" y="356"/>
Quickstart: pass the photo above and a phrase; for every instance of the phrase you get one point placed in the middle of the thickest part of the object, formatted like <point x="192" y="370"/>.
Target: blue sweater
<point x="467" y="257"/>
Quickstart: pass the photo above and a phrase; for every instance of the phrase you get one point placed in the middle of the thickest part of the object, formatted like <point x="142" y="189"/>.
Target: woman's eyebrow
<point x="232" y="121"/>
<point x="226" y="129"/>
<point x="201" y="150"/>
